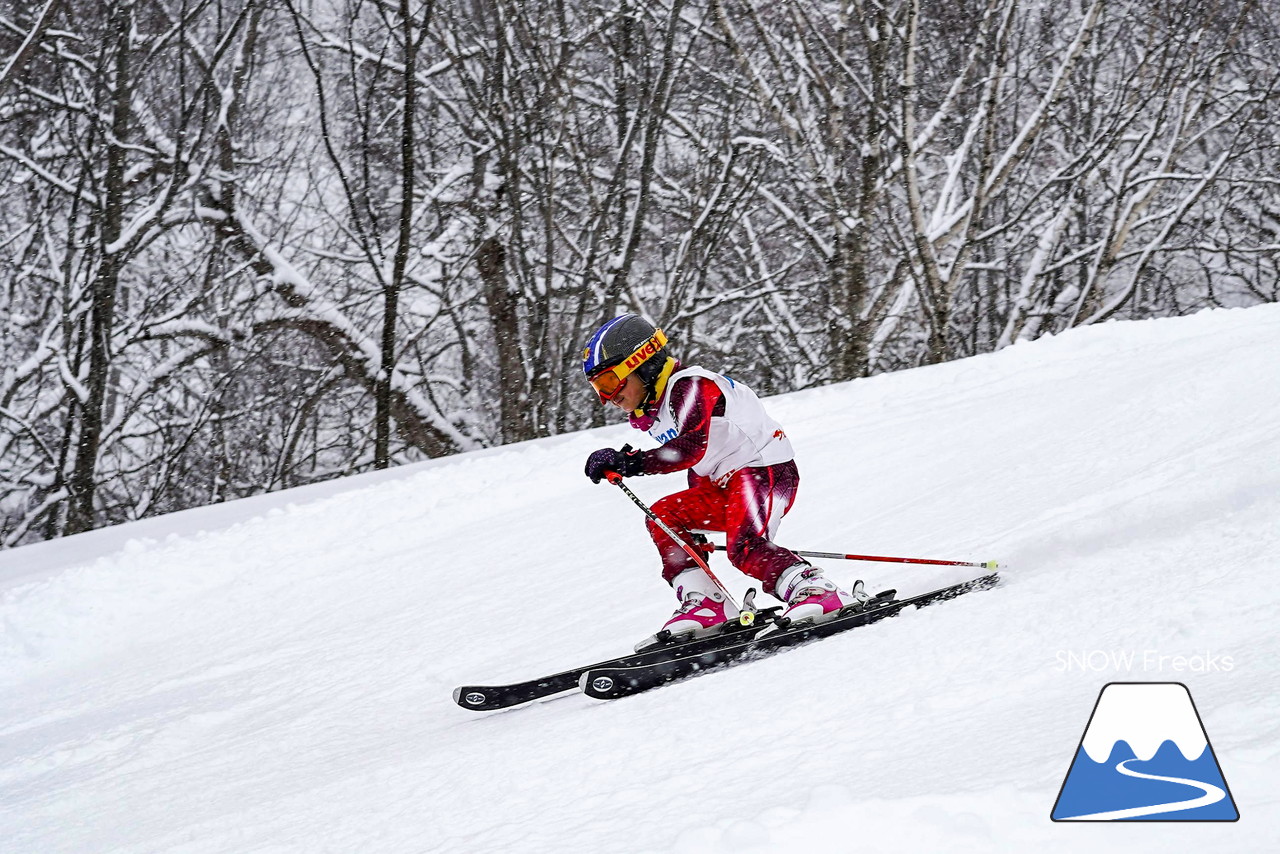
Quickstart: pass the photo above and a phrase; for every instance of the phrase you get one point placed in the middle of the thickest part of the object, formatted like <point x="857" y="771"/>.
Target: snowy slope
<point x="277" y="677"/>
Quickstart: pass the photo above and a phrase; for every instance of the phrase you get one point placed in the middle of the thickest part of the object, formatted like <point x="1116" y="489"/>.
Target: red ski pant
<point x="748" y="509"/>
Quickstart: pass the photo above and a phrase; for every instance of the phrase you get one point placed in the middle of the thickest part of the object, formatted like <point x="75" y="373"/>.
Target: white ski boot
<point x="811" y="596"/>
<point x="703" y="609"/>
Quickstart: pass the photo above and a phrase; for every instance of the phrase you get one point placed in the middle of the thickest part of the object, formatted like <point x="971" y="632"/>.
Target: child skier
<point x="742" y="474"/>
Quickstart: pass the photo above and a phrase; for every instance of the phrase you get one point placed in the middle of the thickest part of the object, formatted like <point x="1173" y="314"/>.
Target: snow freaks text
<point x="1147" y="661"/>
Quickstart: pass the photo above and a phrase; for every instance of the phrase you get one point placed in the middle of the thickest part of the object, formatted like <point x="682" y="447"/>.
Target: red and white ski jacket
<point x="711" y="424"/>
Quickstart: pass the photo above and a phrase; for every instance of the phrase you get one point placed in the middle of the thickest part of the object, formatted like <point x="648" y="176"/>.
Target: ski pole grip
<point x="613" y="477"/>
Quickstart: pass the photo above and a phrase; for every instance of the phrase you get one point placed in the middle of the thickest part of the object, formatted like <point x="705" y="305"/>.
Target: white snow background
<point x="275" y="674"/>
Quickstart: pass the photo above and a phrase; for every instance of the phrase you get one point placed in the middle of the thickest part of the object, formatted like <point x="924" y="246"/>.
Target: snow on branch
<point x="418" y="421"/>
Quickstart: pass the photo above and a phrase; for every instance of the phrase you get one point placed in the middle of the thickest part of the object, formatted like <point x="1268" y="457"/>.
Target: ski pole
<point x="746" y="616"/>
<point x="988" y="564"/>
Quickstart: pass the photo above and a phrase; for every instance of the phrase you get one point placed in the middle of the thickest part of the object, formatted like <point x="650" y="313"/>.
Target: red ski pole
<point x="747" y="616"/>
<point x="988" y="564"/>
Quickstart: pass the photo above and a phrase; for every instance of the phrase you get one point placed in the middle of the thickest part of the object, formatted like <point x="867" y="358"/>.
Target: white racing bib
<point x="744" y="436"/>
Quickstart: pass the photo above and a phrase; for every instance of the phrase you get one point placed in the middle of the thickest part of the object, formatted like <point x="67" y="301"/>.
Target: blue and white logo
<point x="1145" y="757"/>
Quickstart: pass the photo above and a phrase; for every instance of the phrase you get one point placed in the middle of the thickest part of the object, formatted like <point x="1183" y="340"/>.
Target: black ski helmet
<point x="622" y="338"/>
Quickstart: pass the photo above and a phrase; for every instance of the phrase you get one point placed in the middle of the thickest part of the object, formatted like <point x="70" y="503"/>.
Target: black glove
<point x="628" y="462"/>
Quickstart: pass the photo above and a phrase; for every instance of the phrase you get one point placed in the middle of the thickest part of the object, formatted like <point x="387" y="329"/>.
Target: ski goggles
<point x="609" y="381"/>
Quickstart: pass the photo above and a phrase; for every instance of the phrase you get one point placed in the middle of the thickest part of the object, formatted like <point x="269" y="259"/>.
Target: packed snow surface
<point x="276" y="674"/>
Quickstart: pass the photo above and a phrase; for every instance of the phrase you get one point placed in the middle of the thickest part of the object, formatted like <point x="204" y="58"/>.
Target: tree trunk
<point x="391" y="292"/>
<point x="82" y="483"/>
<point x="505" y="320"/>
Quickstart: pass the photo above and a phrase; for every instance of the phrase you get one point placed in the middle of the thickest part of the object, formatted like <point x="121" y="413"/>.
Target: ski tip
<point x="471" y="698"/>
<point x="993" y="564"/>
<point x="986" y="582"/>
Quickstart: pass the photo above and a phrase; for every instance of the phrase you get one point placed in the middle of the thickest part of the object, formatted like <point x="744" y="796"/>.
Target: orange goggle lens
<point x="607" y="383"/>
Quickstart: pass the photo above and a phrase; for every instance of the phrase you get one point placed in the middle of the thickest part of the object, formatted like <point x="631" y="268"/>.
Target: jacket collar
<point x="650" y="408"/>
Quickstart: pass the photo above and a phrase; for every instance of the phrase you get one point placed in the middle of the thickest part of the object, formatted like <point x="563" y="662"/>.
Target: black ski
<point x="487" y="698"/>
<point x="484" y="698"/>
<point x="608" y="682"/>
